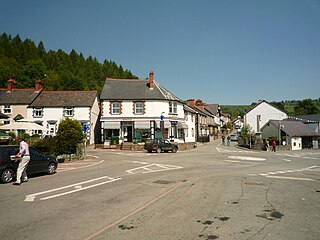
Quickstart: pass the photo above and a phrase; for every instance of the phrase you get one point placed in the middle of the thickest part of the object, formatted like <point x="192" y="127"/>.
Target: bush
<point x="69" y="134"/>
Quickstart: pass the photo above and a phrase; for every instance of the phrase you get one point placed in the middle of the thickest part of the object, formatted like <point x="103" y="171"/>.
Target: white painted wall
<point x="84" y="114"/>
<point x="296" y="143"/>
<point x="267" y="112"/>
<point x="190" y="133"/>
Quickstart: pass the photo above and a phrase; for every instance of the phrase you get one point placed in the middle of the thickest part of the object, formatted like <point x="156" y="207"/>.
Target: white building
<point x="50" y="107"/>
<point x="261" y="114"/>
<point x="133" y="110"/>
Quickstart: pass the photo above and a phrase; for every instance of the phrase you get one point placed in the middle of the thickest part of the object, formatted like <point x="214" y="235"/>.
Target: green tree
<point x="306" y="107"/>
<point x="33" y="70"/>
<point x="69" y="135"/>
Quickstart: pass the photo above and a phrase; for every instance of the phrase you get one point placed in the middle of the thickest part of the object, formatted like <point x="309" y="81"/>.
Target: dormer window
<point x="173" y="108"/>
<point x="68" y="112"/>
<point x="37" y="112"/>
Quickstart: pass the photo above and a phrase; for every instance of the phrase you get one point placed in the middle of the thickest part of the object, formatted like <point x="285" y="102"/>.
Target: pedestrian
<point x="24" y="156"/>
<point x="267" y="145"/>
<point x="223" y="138"/>
<point x="228" y="140"/>
<point x="273" y="145"/>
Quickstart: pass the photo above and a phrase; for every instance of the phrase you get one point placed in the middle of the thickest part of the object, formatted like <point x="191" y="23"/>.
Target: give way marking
<point x="153" y="168"/>
<point x="77" y="187"/>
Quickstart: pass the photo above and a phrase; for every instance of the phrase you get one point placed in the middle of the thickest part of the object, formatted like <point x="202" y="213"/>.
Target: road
<point x="210" y="192"/>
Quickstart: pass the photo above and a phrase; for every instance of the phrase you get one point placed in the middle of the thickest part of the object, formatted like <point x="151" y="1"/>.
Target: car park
<point x="160" y="145"/>
<point x="39" y="163"/>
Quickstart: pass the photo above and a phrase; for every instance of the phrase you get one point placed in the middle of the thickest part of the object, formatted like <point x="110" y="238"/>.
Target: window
<point x="115" y="108"/>
<point x="138" y="108"/>
<point x="7" y="109"/>
<point x="186" y="116"/>
<point x="68" y="112"/>
<point x="173" y="107"/>
<point x="37" y="112"/>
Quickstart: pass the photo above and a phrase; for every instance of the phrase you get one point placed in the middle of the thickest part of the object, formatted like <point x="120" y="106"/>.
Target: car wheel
<point x="158" y="150"/>
<point x="51" y="168"/>
<point x="7" y="175"/>
<point x="149" y="151"/>
<point x="174" y="150"/>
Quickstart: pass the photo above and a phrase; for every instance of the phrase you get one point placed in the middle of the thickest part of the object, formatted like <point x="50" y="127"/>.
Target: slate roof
<point x="213" y="108"/>
<point x="65" y="99"/>
<point x="308" y="118"/>
<point x="294" y="128"/>
<point x="134" y="89"/>
<point x="17" y="96"/>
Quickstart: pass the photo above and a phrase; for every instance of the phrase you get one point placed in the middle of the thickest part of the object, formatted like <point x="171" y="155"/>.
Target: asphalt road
<point x="211" y="192"/>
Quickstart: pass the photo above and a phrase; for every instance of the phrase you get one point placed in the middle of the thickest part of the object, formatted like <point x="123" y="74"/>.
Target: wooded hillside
<point x="26" y="62"/>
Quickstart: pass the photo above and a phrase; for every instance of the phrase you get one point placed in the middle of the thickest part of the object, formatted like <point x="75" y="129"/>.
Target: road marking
<point x="288" y="160"/>
<point x="273" y="174"/>
<point x="92" y="156"/>
<point x="77" y="187"/>
<point x="153" y="168"/>
<point x="232" y="161"/>
<point x="246" y="158"/>
<point x="291" y="178"/>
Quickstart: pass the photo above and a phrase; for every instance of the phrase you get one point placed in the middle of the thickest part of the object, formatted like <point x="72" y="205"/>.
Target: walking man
<point x="23" y="164"/>
<point x="273" y="145"/>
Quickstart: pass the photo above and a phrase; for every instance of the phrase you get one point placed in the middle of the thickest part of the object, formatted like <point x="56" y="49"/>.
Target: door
<point x="129" y="133"/>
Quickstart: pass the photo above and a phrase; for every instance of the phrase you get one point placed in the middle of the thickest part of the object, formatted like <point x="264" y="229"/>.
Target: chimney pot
<point x="151" y="80"/>
<point x="38" y="85"/>
<point x="11" y="84"/>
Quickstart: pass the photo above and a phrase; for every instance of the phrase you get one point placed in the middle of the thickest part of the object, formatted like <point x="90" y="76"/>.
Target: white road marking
<point x="93" y="156"/>
<point x="246" y="158"/>
<point x="232" y="161"/>
<point x="288" y="160"/>
<point x="273" y="174"/>
<point x="153" y="168"/>
<point x="77" y="186"/>
<point x="291" y="178"/>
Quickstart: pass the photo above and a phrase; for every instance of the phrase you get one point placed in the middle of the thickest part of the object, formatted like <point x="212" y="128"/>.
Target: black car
<point x="39" y="163"/>
<point x="160" y="145"/>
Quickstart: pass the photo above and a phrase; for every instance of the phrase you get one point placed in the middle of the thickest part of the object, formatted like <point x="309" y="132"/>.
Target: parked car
<point x="39" y="163"/>
<point x="234" y="137"/>
<point x="159" y="145"/>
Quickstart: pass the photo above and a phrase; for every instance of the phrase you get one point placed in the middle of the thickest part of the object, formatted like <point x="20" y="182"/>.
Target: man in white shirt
<point x="24" y="154"/>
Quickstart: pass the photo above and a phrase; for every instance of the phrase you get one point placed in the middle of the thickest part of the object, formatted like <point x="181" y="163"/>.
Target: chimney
<point x="191" y="102"/>
<point x="11" y="84"/>
<point x="38" y="85"/>
<point x="200" y="104"/>
<point x="151" y="80"/>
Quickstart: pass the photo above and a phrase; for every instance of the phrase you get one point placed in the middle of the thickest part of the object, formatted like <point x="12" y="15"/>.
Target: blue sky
<point x="229" y="52"/>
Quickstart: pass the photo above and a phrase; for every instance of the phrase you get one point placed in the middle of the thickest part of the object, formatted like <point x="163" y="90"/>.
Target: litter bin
<point x="114" y="140"/>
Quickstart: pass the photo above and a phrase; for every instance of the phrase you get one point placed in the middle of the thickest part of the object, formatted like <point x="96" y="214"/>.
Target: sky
<point x="230" y="52"/>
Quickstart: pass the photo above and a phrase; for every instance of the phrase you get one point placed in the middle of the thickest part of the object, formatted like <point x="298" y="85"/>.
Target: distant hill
<point x="26" y="62"/>
<point x="291" y="107"/>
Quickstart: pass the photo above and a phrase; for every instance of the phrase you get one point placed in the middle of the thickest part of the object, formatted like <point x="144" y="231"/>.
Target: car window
<point x="34" y="151"/>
